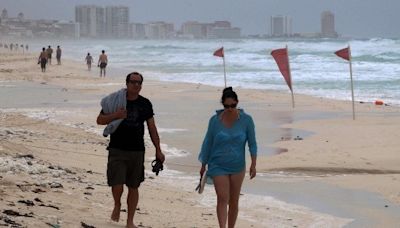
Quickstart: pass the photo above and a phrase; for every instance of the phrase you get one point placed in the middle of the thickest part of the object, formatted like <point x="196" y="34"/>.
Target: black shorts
<point x="125" y="167"/>
<point x="43" y="63"/>
<point x="103" y="65"/>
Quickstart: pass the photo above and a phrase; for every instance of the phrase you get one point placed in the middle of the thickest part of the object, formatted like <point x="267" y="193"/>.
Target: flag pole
<point x="290" y="75"/>
<point x="351" y="80"/>
<point x="223" y="59"/>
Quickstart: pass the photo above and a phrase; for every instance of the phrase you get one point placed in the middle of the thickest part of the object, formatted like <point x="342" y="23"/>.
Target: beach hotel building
<point x="216" y="30"/>
<point x="159" y="30"/>
<point x="99" y="22"/>
<point x="328" y="25"/>
<point x="91" y="20"/>
<point x="117" y="22"/>
<point x="281" y="26"/>
<point x="20" y="27"/>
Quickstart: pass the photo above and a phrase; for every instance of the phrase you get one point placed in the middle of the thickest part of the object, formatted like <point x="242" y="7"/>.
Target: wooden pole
<point x="290" y="76"/>
<point x="351" y="80"/>
<point x="223" y="59"/>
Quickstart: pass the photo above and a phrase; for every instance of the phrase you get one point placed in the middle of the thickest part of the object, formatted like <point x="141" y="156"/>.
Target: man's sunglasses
<point x="135" y="82"/>
<point x="230" y="106"/>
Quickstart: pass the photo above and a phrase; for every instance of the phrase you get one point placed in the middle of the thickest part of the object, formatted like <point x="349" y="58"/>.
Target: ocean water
<point x="316" y="70"/>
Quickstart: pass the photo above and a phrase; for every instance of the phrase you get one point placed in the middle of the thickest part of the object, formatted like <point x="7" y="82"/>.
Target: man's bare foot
<point x="131" y="226"/>
<point x="115" y="213"/>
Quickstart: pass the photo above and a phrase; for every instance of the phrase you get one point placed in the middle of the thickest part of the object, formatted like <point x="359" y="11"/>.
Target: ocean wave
<point x="389" y="57"/>
<point x="158" y="47"/>
<point x="316" y="70"/>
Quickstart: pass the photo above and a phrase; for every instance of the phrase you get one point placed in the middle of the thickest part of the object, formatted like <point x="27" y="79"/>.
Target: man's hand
<point x="160" y="156"/>
<point x="120" y="114"/>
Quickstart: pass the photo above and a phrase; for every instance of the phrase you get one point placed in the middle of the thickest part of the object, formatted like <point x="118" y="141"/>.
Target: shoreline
<point x="143" y="55"/>
<point x="162" y="94"/>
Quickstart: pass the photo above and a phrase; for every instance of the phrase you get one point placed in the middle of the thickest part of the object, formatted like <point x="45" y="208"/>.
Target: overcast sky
<point x="357" y="18"/>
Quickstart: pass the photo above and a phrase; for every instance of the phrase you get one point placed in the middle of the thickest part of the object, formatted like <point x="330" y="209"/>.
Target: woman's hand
<point x="202" y="170"/>
<point x="252" y="171"/>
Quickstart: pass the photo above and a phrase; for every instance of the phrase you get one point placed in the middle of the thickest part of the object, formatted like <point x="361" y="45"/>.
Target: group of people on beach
<point x="222" y="154"/>
<point x="46" y="56"/>
<point x="15" y="47"/>
<point x="102" y="62"/>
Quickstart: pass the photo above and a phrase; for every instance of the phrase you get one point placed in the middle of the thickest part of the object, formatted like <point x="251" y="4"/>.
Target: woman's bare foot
<point x="115" y="213"/>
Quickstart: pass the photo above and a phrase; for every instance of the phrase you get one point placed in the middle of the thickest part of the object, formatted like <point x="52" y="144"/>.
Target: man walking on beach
<point x="102" y="63"/>
<point x="125" y="112"/>
<point x="49" y="53"/>
<point x="58" y="55"/>
<point x="43" y="60"/>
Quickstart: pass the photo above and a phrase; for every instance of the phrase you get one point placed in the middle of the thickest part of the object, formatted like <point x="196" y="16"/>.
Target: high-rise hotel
<point x="328" y="25"/>
<point x="99" y="22"/>
<point x="117" y="21"/>
<point x="281" y="26"/>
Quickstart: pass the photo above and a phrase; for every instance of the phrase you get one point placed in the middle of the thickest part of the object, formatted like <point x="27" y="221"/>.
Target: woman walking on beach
<point x="89" y="61"/>
<point x="223" y="151"/>
<point x="43" y="59"/>
<point x="58" y="55"/>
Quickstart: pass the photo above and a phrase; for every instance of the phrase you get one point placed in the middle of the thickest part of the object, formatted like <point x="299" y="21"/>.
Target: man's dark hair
<point x="102" y="51"/>
<point x="128" y="77"/>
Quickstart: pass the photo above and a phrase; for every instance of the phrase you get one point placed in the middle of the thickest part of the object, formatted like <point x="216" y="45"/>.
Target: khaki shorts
<point x="125" y="167"/>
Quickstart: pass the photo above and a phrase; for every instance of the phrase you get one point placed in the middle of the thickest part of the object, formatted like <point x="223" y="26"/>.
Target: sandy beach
<point x="317" y="167"/>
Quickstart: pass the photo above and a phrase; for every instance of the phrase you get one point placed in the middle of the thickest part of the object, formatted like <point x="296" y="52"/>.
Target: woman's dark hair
<point x="228" y="93"/>
<point x="128" y="77"/>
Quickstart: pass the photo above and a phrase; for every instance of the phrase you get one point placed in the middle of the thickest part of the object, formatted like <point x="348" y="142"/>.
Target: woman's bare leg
<point x="221" y="185"/>
<point x="235" y="186"/>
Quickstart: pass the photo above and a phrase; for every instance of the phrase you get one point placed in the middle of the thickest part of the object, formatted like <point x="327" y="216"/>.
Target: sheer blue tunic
<point x="223" y="148"/>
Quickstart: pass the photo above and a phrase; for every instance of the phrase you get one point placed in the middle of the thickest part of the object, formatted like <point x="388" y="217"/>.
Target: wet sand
<point x="52" y="117"/>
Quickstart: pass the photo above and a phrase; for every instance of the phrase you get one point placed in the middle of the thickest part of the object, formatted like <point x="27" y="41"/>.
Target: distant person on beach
<point x="43" y="59"/>
<point x="102" y="63"/>
<point x="49" y="54"/>
<point x="89" y="61"/>
<point x="58" y="55"/>
<point x="125" y="112"/>
<point x="26" y="47"/>
<point x="223" y="152"/>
